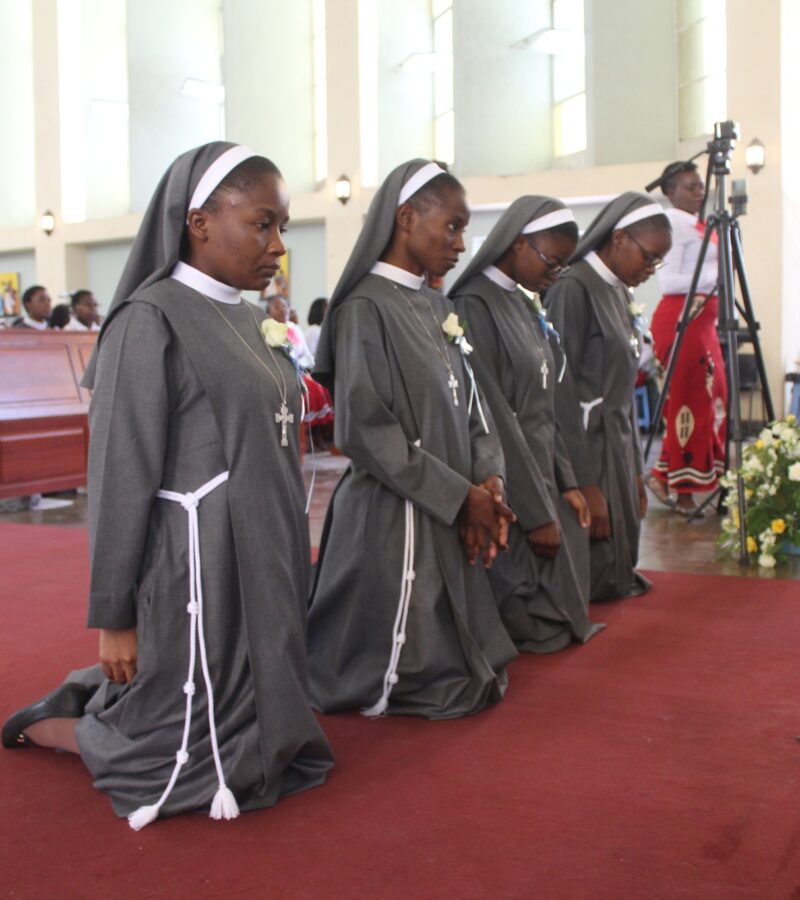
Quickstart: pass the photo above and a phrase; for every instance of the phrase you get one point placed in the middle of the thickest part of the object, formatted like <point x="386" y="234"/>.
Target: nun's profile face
<point x="436" y="233"/>
<point x="635" y="257"/>
<point x="539" y="257"/>
<point x="240" y="243"/>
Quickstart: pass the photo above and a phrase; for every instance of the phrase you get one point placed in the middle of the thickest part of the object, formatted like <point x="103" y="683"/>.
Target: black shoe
<point x="66" y="702"/>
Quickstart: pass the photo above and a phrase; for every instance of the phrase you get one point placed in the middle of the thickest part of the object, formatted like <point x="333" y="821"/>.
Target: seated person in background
<point x="84" y="312"/>
<point x="278" y="309"/>
<point x="36" y="305"/>
<point x="59" y="317"/>
<point x="316" y="314"/>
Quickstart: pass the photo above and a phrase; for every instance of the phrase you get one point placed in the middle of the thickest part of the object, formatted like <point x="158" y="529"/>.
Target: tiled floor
<point x="668" y="543"/>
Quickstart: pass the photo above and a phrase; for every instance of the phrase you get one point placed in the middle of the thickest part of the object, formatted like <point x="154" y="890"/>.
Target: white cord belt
<point x="587" y="408"/>
<point x="391" y="677"/>
<point x="224" y="803"/>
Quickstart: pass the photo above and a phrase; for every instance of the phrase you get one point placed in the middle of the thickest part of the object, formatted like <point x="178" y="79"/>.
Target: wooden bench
<point x="44" y="433"/>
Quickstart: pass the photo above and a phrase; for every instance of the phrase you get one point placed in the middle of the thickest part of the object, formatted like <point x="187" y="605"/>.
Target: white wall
<point x="503" y="110"/>
<point x="631" y="80"/>
<point x="164" y="122"/>
<point x="306" y="246"/>
<point x="405" y="99"/>
<point x="104" y="265"/>
<point x="268" y="83"/>
<point x="16" y="103"/>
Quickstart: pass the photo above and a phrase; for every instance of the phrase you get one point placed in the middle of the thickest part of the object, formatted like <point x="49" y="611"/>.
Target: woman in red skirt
<point x="693" y="453"/>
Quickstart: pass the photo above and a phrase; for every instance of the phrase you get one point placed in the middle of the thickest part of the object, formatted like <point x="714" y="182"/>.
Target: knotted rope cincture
<point x="224" y="805"/>
<point x="391" y="677"/>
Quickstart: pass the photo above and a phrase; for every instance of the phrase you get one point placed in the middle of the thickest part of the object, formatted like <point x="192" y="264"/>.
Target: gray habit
<point x="595" y="326"/>
<point x="178" y="400"/>
<point x="396" y="420"/>
<point x="543" y="602"/>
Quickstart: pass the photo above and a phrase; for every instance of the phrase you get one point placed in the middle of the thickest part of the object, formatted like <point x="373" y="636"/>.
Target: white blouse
<point x="675" y="276"/>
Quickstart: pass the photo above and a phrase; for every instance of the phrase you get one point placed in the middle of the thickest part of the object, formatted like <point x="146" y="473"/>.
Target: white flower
<point x="794" y="472"/>
<point x="451" y="327"/>
<point x="276" y="334"/>
<point x="536" y="301"/>
<point x="463" y="345"/>
<point x="635" y="309"/>
<point x="766" y="561"/>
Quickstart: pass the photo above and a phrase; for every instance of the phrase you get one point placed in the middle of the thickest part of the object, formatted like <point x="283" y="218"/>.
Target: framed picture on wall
<point x="9" y="293"/>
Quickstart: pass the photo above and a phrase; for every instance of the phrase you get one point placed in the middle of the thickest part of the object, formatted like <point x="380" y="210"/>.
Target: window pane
<point x="17" y="190"/>
<point x="569" y="126"/>
<point x="93" y="95"/>
<point x="440" y="6"/>
<point x="568" y="15"/>
<point x="690" y="11"/>
<point x="569" y="76"/>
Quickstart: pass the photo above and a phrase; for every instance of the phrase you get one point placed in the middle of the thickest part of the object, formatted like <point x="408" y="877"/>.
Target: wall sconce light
<point x="343" y="189"/>
<point x="47" y="222"/>
<point x="755" y="156"/>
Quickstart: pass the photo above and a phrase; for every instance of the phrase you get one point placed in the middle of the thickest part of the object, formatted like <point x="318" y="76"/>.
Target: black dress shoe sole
<point x="66" y="702"/>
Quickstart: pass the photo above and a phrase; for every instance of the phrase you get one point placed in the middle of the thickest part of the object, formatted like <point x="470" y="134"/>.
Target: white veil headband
<point x="214" y="174"/>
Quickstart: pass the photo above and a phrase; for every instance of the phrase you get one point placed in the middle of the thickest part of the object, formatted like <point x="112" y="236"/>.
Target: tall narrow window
<point x="320" y="91"/>
<point x="702" y="62"/>
<point x="566" y="42"/>
<point x="443" y="118"/>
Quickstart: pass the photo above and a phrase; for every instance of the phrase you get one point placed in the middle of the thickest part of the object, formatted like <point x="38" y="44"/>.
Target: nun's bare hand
<point x="477" y="525"/>
<point x="598" y="509"/>
<point x="504" y="516"/>
<point x="545" y="540"/>
<point x="118" y="654"/>
<point x="578" y="502"/>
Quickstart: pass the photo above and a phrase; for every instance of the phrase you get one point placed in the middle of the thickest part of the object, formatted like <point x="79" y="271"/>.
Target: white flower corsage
<point x="455" y="332"/>
<point x="276" y="334"/>
<point x="639" y="321"/>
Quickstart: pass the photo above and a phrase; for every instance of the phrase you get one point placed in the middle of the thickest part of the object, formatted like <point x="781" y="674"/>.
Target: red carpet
<point x="659" y="761"/>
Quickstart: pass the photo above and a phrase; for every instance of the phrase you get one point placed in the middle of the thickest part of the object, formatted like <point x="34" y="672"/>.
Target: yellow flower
<point x="276" y="334"/>
<point x="735" y="516"/>
<point x="791" y="419"/>
<point x="752" y="544"/>
<point x="778" y="526"/>
<point x="760" y="444"/>
<point x="748" y="492"/>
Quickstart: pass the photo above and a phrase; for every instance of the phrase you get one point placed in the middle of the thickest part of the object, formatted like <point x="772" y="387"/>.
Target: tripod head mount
<point x="720" y="148"/>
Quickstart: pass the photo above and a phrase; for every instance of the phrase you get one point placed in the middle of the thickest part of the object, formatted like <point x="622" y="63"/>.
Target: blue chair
<point x="642" y="407"/>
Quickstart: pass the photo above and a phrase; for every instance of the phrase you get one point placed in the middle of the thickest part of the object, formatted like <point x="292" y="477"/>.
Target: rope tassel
<point x="391" y="677"/>
<point x="224" y="804"/>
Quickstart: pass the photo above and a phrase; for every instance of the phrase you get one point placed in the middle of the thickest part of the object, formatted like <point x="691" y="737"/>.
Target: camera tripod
<point x="725" y="225"/>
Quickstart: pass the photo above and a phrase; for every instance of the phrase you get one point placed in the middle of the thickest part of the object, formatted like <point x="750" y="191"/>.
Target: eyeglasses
<point x="650" y="259"/>
<point x="553" y="265"/>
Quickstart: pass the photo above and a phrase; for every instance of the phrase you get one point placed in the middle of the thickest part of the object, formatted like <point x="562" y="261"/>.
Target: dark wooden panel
<point x="44" y="436"/>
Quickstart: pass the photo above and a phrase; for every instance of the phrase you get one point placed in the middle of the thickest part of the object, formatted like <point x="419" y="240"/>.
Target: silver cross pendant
<point x="284" y="418"/>
<point x="453" y="385"/>
<point x="545" y="370"/>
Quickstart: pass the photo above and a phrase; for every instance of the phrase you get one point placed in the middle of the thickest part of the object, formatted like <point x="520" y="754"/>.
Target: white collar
<point x="500" y="278"/>
<point x="32" y="323"/>
<point x="401" y="276"/>
<point x="602" y="270"/>
<point x="205" y="284"/>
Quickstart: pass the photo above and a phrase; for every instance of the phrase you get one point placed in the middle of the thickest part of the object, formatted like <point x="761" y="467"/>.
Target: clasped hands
<point x="483" y="521"/>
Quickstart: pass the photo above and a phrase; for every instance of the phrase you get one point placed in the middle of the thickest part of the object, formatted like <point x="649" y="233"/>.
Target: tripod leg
<point x="729" y="324"/>
<point x="749" y="317"/>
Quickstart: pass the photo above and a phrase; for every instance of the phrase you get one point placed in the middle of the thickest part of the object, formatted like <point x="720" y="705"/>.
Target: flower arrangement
<point x="770" y="471"/>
